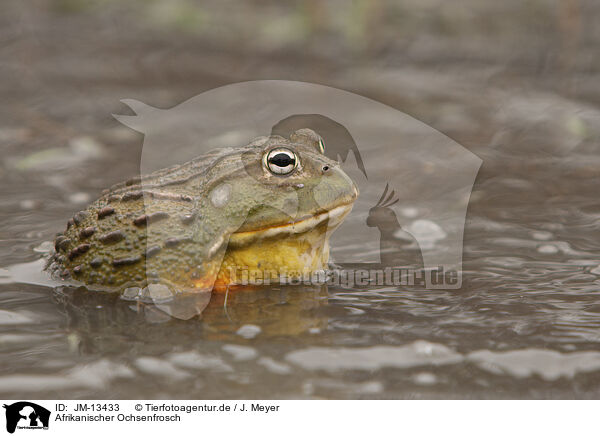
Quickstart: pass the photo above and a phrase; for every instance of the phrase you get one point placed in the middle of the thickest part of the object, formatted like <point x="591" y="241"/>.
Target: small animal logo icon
<point x="397" y="247"/>
<point x="26" y="415"/>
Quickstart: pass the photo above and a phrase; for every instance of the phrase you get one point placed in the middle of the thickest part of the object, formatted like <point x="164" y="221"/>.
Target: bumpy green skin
<point x="175" y="224"/>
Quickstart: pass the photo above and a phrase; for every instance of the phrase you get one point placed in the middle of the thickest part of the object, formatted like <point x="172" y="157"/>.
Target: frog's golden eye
<point x="321" y="146"/>
<point x="281" y="161"/>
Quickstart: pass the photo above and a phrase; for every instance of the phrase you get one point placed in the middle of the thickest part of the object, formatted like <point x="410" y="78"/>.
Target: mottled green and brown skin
<point x="180" y="225"/>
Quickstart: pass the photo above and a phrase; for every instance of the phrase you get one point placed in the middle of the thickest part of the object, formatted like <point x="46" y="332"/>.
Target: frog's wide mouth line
<point x="335" y="217"/>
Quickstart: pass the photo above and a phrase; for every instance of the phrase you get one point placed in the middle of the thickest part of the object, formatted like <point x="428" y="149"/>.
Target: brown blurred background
<point x="501" y="78"/>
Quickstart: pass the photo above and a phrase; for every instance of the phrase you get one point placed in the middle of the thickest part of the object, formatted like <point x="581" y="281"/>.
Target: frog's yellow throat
<point x="290" y="250"/>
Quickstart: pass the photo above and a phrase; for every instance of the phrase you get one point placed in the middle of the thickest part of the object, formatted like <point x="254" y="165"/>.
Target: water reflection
<point x="103" y="322"/>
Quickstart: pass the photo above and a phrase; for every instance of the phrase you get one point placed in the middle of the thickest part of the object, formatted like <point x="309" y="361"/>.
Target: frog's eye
<point x="321" y="146"/>
<point x="281" y="161"/>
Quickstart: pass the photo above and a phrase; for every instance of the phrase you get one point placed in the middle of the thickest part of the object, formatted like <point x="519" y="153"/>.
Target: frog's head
<point x="284" y="199"/>
<point x="294" y="182"/>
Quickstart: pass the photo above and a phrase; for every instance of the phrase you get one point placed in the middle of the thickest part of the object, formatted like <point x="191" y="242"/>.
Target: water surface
<point x="526" y="322"/>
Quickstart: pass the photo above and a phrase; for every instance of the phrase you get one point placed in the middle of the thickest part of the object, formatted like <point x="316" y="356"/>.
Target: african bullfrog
<point x="267" y="207"/>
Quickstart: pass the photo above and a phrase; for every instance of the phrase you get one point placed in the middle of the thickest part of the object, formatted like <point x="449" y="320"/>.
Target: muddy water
<point x="525" y="324"/>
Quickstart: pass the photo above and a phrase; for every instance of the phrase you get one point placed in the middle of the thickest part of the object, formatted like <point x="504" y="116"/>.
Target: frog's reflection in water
<point x="105" y="323"/>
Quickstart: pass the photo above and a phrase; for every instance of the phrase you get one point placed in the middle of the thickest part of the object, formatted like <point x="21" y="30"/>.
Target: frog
<point x="267" y="207"/>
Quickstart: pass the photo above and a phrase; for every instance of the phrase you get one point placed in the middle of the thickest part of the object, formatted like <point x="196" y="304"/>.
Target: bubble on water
<point x="160" y="367"/>
<point x="195" y="360"/>
<point x="79" y="198"/>
<point x="415" y="354"/>
<point x="374" y="387"/>
<point x="274" y="366"/>
<point x="426" y="232"/>
<point x="249" y="331"/>
<point x="548" y="364"/>
<point x="366" y="388"/>
<point x="240" y="352"/>
<point x="220" y="195"/>
<point x="425" y="378"/>
<point x="424" y="348"/>
<point x="29" y="204"/>
<point x="541" y="235"/>
<point x="547" y="249"/>
<point x="86" y="146"/>
<point x="409" y="212"/>
<point x="95" y="375"/>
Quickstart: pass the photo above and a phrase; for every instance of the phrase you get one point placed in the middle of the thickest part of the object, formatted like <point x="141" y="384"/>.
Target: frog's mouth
<point x="333" y="218"/>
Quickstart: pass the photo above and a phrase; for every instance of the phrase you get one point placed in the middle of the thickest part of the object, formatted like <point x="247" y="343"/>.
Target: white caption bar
<point x="263" y="417"/>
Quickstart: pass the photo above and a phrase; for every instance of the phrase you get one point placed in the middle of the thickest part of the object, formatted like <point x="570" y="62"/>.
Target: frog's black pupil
<point x="282" y="160"/>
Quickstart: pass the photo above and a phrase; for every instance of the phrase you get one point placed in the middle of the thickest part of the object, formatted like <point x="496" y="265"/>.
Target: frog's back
<point x="139" y="229"/>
